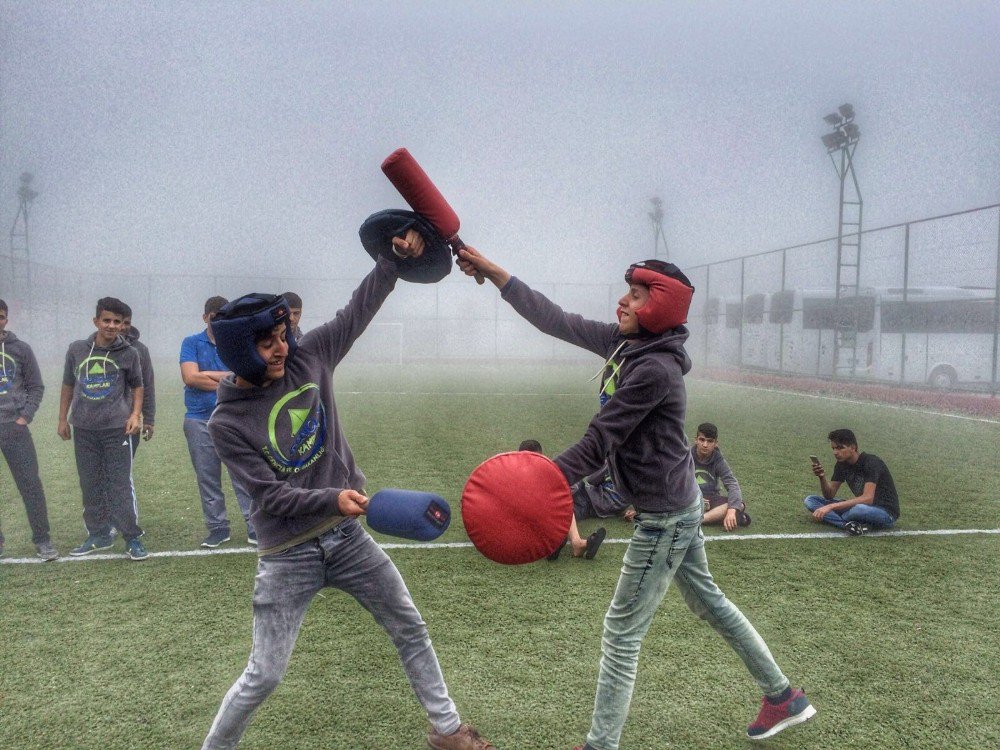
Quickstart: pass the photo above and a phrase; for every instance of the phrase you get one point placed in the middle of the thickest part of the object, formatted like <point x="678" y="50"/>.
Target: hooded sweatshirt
<point x="21" y="386"/>
<point x="148" y="389"/>
<point x="102" y="381"/>
<point x="283" y="442"/>
<point x="711" y="472"/>
<point x="639" y="430"/>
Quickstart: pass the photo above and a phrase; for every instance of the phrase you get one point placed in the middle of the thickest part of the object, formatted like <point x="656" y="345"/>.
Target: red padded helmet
<point x="670" y="294"/>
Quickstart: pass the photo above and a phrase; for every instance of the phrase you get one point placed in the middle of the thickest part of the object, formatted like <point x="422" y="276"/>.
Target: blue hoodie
<point x="639" y="430"/>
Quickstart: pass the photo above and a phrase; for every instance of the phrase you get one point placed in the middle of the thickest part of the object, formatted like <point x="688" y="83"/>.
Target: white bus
<point x="942" y="336"/>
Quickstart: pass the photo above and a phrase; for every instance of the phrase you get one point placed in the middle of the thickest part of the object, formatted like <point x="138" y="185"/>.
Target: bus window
<point x="734" y="314"/>
<point x="782" y="306"/>
<point x="712" y="311"/>
<point x="753" y="308"/>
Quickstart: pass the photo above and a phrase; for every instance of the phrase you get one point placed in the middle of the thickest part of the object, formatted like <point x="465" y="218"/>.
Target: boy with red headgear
<point x="639" y="431"/>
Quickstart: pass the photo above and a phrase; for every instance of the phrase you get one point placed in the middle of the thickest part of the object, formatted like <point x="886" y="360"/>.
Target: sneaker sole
<point x="206" y="545"/>
<point x="802" y="716"/>
<point x="75" y="553"/>
<point x="47" y="558"/>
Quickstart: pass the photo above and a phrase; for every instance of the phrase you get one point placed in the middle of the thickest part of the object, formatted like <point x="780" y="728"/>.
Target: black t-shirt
<point x="869" y="468"/>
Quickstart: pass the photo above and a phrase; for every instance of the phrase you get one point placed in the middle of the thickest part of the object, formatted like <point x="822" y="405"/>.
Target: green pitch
<point x="893" y="638"/>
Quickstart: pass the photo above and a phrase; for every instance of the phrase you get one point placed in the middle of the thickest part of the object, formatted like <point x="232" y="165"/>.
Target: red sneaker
<point x="772" y="719"/>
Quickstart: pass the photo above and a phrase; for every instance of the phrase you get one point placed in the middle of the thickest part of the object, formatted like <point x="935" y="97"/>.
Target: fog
<point x="232" y="138"/>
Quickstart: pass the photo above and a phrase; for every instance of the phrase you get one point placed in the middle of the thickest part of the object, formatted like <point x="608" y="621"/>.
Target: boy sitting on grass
<point x="710" y="468"/>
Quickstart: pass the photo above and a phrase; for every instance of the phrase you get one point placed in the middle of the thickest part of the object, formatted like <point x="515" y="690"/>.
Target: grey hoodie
<point x="102" y="380"/>
<point x="709" y="473"/>
<point x="639" y="431"/>
<point x="283" y="442"/>
<point x="148" y="387"/>
<point x="21" y="386"/>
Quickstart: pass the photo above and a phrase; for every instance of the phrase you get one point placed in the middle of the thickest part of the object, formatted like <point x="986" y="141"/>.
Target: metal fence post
<point x="906" y="286"/>
<point x="996" y="311"/>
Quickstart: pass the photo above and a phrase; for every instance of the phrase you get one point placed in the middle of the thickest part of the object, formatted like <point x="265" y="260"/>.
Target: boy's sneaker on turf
<point x="215" y="538"/>
<point x="135" y="550"/>
<point x="742" y="518"/>
<point x="466" y="738"/>
<point x="94" y="543"/>
<point x="46" y="551"/>
<point x="252" y="538"/>
<point x="856" y="529"/>
<point x="772" y="719"/>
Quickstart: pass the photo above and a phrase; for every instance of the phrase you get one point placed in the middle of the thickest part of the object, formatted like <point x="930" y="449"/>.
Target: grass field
<point x="894" y="638"/>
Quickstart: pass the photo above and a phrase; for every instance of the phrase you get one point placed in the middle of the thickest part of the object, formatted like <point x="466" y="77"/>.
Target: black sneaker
<point x="135" y="550"/>
<point x="742" y="518"/>
<point x="94" y="543"/>
<point x="856" y="529"/>
<point x="215" y="538"/>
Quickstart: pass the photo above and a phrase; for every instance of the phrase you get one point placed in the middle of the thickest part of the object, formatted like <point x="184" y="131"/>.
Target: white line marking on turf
<point x="845" y="400"/>
<point x="461" y="545"/>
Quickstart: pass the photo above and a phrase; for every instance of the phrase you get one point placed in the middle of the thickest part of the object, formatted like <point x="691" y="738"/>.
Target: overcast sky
<point x="224" y="136"/>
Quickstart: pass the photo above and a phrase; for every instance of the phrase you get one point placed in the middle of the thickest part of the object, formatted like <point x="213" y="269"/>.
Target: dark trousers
<point x="19" y="450"/>
<point x="104" y="463"/>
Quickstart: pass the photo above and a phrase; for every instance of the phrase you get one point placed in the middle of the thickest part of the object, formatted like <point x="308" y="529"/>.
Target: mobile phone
<point x="815" y="460"/>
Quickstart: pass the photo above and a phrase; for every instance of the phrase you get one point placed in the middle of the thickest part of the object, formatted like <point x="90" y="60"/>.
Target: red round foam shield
<point x="517" y="507"/>
<point x="416" y="187"/>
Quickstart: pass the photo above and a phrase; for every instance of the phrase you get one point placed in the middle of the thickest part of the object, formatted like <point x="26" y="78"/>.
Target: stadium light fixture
<point x="833" y="119"/>
<point x="847" y="110"/>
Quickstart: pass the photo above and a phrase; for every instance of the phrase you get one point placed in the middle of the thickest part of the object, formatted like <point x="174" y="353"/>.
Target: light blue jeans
<point x="666" y="547"/>
<point x="346" y="558"/>
<point x="208" y="470"/>
<point x="871" y="515"/>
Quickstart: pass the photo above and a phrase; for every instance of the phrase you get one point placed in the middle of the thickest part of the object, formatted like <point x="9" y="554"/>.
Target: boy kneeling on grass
<point x="710" y="468"/>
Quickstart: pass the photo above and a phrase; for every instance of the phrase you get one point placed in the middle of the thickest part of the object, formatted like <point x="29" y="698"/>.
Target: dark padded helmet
<point x="239" y="323"/>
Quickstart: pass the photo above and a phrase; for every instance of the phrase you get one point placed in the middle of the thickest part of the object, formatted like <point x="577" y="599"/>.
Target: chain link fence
<point x="927" y="310"/>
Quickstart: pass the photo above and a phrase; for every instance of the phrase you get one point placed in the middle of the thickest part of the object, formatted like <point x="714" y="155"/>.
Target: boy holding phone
<point x="875" y="505"/>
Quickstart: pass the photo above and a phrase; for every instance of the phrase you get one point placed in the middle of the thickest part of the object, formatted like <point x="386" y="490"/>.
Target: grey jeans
<point x="208" y="470"/>
<point x="666" y="547"/>
<point x="346" y="558"/>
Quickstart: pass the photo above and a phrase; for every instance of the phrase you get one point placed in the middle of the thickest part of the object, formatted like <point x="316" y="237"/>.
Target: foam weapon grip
<point x="412" y="182"/>
<point x="422" y="516"/>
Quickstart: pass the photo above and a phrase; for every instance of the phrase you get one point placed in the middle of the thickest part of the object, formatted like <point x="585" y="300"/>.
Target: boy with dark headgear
<point x="276" y="428"/>
<point x="639" y="431"/>
<point x="21" y="392"/>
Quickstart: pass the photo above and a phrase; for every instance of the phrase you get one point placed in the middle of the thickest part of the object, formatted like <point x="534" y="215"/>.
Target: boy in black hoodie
<point x="131" y="334"/>
<point x="639" y="431"/>
<point x="21" y="392"/>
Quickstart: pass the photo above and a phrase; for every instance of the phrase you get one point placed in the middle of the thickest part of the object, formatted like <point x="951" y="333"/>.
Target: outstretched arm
<point x="471" y="261"/>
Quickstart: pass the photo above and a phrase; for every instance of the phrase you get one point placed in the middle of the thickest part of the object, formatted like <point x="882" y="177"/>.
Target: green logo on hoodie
<point x="296" y="430"/>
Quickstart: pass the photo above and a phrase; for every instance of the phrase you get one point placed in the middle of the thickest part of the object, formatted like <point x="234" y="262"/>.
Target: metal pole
<point x="743" y="267"/>
<point x="708" y="286"/>
<point x="781" y="326"/>
<point x="906" y="284"/>
<point x="996" y="312"/>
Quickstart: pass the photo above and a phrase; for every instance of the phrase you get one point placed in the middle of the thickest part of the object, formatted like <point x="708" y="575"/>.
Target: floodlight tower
<point x="20" y="249"/>
<point x="656" y="216"/>
<point x="842" y="142"/>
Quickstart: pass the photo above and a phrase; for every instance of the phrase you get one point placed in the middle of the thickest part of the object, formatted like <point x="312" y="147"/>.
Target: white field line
<point x="818" y="396"/>
<point x="858" y="402"/>
<point x="461" y="545"/>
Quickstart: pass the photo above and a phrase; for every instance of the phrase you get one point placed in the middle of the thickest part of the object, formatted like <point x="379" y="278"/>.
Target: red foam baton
<point x="422" y="195"/>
